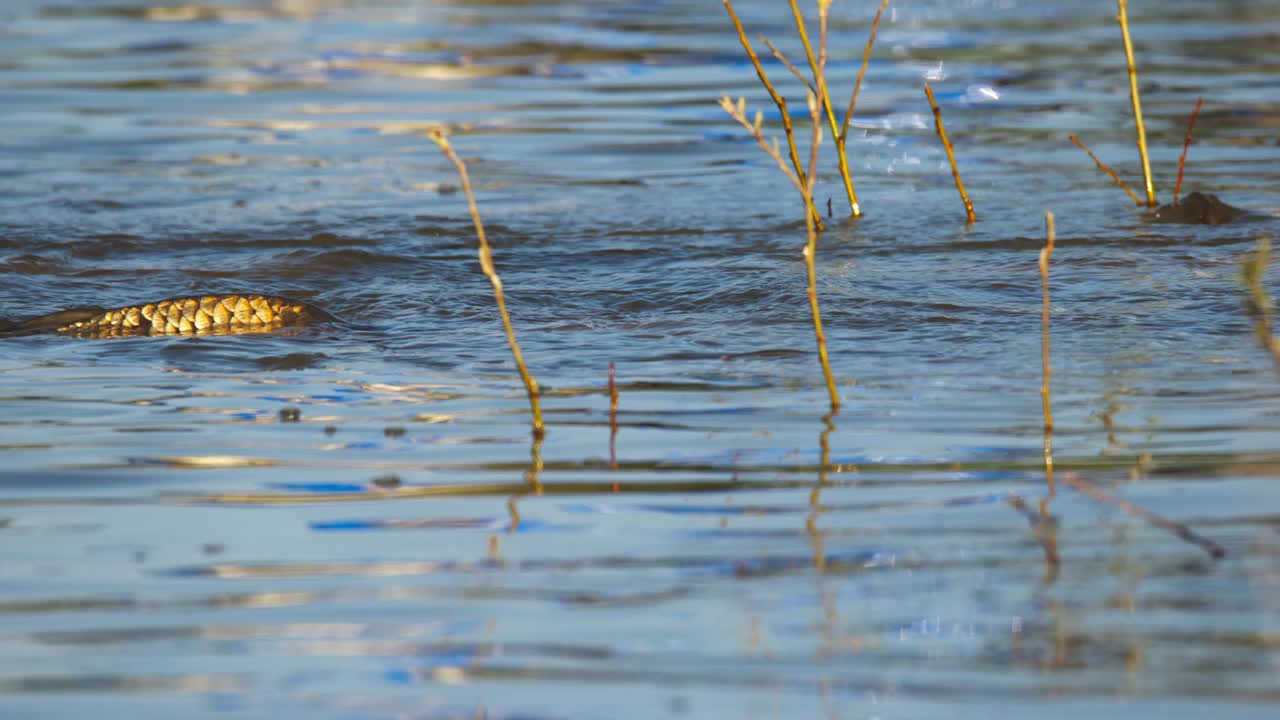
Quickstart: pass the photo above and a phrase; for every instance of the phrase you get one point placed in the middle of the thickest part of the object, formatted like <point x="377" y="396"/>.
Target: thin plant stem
<point x="778" y="100"/>
<point x="737" y="111"/>
<point x="1213" y="549"/>
<point x="486" y="265"/>
<point x="613" y="425"/>
<point x="951" y="153"/>
<point x="803" y="31"/>
<point x="1046" y="254"/>
<point x="818" y="67"/>
<point x="857" y="85"/>
<point x="1186" y="145"/>
<point x="810" y="262"/>
<point x="1252" y="270"/>
<point x="1103" y="167"/>
<point x="1123" y="17"/>
<point x="780" y="57"/>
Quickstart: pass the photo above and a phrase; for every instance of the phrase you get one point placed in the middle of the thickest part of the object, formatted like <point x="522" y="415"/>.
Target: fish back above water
<point x="204" y="315"/>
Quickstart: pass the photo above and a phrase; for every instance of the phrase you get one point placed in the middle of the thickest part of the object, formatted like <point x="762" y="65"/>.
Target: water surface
<point x="175" y="545"/>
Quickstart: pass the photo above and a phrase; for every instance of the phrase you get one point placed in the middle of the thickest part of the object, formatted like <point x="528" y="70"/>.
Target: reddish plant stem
<point x="1103" y="167"/>
<point x="613" y="424"/>
<point x="1186" y="145"/>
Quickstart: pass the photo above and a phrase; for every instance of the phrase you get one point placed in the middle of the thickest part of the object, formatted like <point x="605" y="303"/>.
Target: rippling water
<point x="350" y="522"/>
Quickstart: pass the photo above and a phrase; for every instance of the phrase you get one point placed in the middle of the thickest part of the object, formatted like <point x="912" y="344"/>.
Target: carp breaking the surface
<point x="205" y="315"/>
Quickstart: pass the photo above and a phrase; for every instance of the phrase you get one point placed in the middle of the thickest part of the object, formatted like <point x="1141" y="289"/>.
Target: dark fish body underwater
<point x="205" y="315"/>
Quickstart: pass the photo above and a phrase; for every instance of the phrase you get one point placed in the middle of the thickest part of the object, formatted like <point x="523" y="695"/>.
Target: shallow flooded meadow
<point x="610" y="360"/>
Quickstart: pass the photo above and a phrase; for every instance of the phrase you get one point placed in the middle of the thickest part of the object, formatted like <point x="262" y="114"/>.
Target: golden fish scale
<point x="206" y="315"/>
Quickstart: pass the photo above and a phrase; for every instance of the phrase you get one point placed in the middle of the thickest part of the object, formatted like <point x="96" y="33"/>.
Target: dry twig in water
<point x="1186" y="145"/>
<point x="951" y="154"/>
<point x="486" y="265"/>
<point x="1103" y="166"/>
<point x="779" y="101"/>
<point x="1045" y="254"/>
<point x="1123" y="17"/>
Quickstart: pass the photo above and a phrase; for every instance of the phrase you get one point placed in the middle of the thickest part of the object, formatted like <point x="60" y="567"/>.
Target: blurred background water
<point x="173" y="544"/>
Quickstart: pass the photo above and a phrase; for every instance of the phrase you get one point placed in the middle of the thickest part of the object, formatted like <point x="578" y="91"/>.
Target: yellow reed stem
<point x="951" y="154"/>
<point x="1103" y="167"/>
<point x="810" y="262"/>
<point x="738" y="112"/>
<point x="1123" y="17"/>
<point x="818" y="67"/>
<point x="857" y="85"/>
<point x="778" y="100"/>
<point x="1045" y="254"/>
<point x="486" y="265"/>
